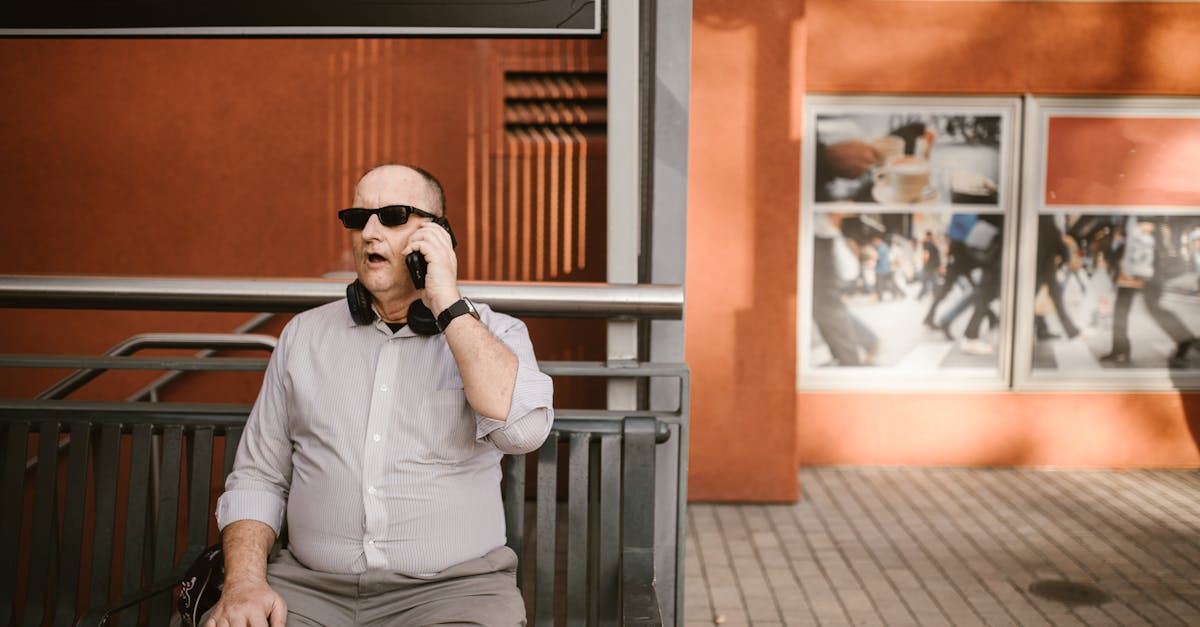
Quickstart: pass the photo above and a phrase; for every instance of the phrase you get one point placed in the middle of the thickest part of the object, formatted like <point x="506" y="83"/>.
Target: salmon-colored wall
<point x="230" y="157"/>
<point x="1081" y="429"/>
<point x="741" y="253"/>
<point x="751" y="65"/>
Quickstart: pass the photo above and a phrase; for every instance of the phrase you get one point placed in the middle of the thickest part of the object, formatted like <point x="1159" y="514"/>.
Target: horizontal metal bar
<point x="125" y="362"/>
<point x="567" y="300"/>
<point x="610" y="415"/>
<point x="222" y="341"/>
<point x="150" y="391"/>
<point x="597" y="428"/>
<point x="81" y="377"/>
<point x="67" y="407"/>
<point x="132" y="363"/>
<point x="601" y="369"/>
<point x="10" y="409"/>
<point x="566" y="422"/>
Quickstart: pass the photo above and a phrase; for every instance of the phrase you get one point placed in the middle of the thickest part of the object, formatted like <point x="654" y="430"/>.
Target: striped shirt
<point x="367" y="439"/>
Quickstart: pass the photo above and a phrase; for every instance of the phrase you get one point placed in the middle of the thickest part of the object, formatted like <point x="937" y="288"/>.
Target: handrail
<point x="150" y="391"/>
<point x="565" y="300"/>
<point x="130" y="345"/>
<point x="226" y="415"/>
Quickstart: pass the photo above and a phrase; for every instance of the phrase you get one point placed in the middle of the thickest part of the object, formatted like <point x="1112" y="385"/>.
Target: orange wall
<point x="751" y="65"/>
<point x="230" y="157"/>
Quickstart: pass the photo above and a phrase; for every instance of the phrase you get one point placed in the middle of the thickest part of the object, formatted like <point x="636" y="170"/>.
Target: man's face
<point x="377" y="248"/>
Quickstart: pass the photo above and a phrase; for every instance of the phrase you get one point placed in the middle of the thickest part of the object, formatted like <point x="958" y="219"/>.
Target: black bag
<point x="201" y="586"/>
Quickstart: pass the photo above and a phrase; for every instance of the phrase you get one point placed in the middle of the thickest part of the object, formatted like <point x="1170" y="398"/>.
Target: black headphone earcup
<point x="358" y="298"/>
<point x="421" y="320"/>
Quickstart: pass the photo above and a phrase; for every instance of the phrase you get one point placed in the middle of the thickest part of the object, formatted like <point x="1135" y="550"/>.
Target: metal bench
<point x="125" y="506"/>
<point x="101" y="545"/>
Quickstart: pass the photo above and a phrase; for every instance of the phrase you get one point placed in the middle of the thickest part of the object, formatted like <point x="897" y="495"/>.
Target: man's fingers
<point x="279" y="613"/>
<point x="425" y="240"/>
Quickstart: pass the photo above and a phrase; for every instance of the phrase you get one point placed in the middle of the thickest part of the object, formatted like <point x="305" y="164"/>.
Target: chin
<point x="376" y="282"/>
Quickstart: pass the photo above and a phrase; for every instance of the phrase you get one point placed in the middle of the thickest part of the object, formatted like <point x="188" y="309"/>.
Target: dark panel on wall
<point x="449" y="17"/>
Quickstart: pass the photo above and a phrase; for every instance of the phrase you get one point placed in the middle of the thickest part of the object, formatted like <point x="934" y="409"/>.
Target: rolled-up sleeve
<point x="531" y="413"/>
<point x="257" y="487"/>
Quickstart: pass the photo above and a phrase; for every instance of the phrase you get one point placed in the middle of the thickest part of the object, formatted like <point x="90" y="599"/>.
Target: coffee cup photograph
<point x="898" y="156"/>
<point x="907" y="237"/>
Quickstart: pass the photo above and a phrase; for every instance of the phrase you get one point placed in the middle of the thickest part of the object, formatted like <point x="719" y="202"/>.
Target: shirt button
<point x="377" y="437"/>
<point x="371" y="490"/>
<point x="383" y="388"/>
<point x="371" y="542"/>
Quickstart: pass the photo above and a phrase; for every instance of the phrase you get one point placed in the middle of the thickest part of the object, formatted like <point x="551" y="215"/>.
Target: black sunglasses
<point x="391" y="215"/>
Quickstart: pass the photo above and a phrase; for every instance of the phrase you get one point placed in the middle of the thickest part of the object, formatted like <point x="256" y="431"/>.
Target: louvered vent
<point x="536" y="102"/>
<point x="530" y="193"/>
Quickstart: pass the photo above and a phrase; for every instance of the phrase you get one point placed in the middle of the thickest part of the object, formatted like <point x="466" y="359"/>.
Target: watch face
<point x="460" y="307"/>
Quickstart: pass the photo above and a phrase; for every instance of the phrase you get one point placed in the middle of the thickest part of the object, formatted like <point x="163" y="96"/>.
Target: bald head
<point x="396" y="184"/>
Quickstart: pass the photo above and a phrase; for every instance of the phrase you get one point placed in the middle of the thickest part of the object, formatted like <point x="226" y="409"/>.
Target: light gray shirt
<point x="367" y="439"/>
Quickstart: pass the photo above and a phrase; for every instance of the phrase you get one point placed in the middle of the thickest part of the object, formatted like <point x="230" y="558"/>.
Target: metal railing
<point x="551" y="300"/>
<point x="546" y="300"/>
<point x="207" y="341"/>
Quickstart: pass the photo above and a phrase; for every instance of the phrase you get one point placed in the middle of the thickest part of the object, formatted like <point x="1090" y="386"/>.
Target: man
<point x="383" y="443"/>
<point x="931" y="265"/>
<point x="885" y="281"/>
<point x="835" y="265"/>
<point x="1052" y="252"/>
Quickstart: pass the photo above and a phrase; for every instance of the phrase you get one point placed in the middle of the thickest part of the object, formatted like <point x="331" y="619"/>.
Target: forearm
<point x="488" y="367"/>
<point x="246" y="544"/>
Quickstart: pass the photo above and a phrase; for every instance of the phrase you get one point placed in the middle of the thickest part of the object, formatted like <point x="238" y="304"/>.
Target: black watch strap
<point x="460" y="307"/>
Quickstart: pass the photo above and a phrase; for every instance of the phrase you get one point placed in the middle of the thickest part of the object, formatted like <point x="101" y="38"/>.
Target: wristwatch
<point x="460" y="307"/>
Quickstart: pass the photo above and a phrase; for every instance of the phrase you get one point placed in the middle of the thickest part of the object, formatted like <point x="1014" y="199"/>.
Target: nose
<point x="373" y="229"/>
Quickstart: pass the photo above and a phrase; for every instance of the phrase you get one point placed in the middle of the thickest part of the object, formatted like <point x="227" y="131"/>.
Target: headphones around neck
<point x="358" y="298"/>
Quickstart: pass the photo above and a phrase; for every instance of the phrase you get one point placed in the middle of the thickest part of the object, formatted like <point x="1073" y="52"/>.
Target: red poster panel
<point x="1129" y="161"/>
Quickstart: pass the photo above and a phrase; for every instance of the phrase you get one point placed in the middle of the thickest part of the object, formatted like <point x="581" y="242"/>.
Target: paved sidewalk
<point x="921" y="546"/>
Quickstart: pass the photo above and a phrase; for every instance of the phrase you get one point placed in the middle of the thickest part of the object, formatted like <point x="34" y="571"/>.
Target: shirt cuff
<point x="265" y="507"/>
<point x="532" y="391"/>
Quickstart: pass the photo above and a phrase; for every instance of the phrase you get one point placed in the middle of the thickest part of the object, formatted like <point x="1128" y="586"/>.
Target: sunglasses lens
<point x="393" y="215"/>
<point x="354" y="218"/>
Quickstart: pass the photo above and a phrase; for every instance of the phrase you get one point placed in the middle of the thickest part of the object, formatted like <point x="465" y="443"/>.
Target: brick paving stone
<point x="921" y="546"/>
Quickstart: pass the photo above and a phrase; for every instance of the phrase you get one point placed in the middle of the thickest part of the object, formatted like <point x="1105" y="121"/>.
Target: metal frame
<point x="207" y="341"/>
<point x="1039" y="110"/>
<point x="318" y="31"/>
<point x="809" y="377"/>
<point x="649" y="54"/>
<point x="567" y="300"/>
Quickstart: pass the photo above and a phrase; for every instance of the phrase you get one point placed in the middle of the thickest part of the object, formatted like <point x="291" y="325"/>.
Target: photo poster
<point x="905" y="247"/>
<point x="1110" y="298"/>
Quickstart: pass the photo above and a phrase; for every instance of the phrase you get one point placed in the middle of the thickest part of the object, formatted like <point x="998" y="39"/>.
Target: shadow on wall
<point x="744" y="190"/>
<point x="1191" y="409"/>
<point x="1190" y="401"/>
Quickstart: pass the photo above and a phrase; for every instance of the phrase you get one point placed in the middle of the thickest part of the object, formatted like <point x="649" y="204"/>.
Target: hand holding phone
<point x="418" y="268"/>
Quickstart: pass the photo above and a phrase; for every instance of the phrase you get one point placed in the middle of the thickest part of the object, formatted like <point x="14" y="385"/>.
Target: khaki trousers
<point x="481" y="591"/>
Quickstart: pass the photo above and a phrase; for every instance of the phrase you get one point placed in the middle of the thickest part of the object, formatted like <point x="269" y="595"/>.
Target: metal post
<point x="671" y="40"/>
<point x="624" y="197"/>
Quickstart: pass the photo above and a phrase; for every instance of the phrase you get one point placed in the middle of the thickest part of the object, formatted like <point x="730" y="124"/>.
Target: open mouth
<point x="375" y="258"/>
